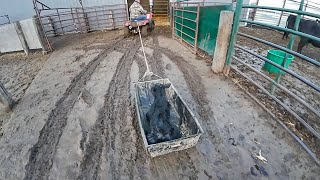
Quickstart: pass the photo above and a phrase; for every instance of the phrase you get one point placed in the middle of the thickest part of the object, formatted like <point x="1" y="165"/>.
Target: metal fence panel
<point x="279" y="18"/>
<point x="73" y="20"/>
<point x="185" y="23"/>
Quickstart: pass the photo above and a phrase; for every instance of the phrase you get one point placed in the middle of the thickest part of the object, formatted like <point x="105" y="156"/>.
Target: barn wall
<point x="275" y="18"/>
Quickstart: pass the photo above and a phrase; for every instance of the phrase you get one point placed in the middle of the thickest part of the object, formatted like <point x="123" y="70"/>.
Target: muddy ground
<point x="17" y="71"/>
<point x="299" y="66"/>
<point x="77" y="118"/>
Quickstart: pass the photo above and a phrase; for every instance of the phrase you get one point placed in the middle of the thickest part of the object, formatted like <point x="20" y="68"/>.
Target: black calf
<point x="162" y="128"/>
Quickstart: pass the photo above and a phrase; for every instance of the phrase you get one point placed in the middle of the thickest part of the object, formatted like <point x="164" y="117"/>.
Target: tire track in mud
<point x="114" y="111"/>
<point x="43" y="152"/>
<point x="197" y="90"/>
<point x="156" y="59"/>
<point x="141" y="65"/>
<point x="139" y="159"/>
<point x="193" y="80"/>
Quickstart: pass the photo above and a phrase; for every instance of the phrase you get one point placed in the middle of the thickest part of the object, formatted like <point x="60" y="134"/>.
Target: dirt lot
<point x="77" y="119"/>
<point x="299" y="66"/>
<point x="17" y="71"/>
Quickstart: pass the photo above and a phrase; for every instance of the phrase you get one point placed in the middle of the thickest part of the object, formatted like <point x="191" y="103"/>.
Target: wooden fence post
<point x="111" y="19"/>
<point x="52" y="26"/>
<point x="222" y="43"/>
<point x="86" y="22"/>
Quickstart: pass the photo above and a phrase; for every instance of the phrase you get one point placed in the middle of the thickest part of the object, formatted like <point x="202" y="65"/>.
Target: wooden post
<point x="21" y="36"/>
<point x="6" y="99"/>
<point x="222" y="43"/>
<point x="97" y="19"/>
<point x="305" y="8"/>
<point x="79" y="22"/>
<point x="74" y="22"/>
<point x="86" y="22"/>
<point x="283" y="5"/>
<point x="52" y="26"/>
<point x="61" y="26"/>
<point x="255" y="12"/>
<point x="111" y="19"/>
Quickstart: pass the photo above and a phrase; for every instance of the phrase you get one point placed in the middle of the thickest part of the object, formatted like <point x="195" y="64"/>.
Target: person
<point x="137" y="12"/>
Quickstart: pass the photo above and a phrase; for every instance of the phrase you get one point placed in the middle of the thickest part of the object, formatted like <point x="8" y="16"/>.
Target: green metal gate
<point x="196" y="25"/>
<point x="185" y="24"/>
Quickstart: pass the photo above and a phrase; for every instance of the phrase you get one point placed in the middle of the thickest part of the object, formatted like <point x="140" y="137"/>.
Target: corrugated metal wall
<point x="275" y="18"/>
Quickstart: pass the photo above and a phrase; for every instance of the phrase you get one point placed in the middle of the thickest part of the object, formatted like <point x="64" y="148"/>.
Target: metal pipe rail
<point x="309" y="83"/>
<point x="281" y="103"/>
<point x="310" y="60"/>
<point x="74" y="12"/>
<point x="280" y="86"/>
<point x="183" y="10"/>
<point x="314" y="157"/>
<point x="94" y="20"/>
<point x="282" y="29"/>
<point x="276" y="82"/>
<point x="186" y="27"/>
<point x="185" y="18"/>
<point x="184" y="33"/>
<point x="57" y="28"/>
<point x="283" y="9"/>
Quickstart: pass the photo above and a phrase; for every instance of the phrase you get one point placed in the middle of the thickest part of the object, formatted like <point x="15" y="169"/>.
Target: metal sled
<point x="181" y="114"/>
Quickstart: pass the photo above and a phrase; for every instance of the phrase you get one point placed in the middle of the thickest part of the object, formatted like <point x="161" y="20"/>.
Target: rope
<point x="148" y="72"/>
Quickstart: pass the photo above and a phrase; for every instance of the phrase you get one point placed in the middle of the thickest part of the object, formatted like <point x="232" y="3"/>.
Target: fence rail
<point x="180" y="26"/>
<point x="275" y="83"/>
<point x="277" y="16"/>
<point x="60" y="21"/>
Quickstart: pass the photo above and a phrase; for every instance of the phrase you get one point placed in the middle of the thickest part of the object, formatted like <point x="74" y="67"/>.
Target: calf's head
<point x="159" y="89"/>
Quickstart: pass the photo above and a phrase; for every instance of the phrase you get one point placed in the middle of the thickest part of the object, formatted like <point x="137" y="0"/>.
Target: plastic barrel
<point x="277" y="56"/>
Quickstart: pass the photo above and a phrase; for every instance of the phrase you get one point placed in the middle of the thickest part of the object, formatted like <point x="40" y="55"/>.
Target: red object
<point x="139" y="23"/>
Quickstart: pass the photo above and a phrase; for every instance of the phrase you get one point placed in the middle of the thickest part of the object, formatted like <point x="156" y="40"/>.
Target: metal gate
<point x="276" y="90"/>
<point x="185" y="24"/>
<point x="60" y="21"/>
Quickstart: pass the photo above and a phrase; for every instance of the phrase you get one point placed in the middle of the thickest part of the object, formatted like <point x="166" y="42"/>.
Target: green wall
<point x="208" y="25"/>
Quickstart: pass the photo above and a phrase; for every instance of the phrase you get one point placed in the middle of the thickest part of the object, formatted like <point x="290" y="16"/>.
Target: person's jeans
<point x="140" y="18"/>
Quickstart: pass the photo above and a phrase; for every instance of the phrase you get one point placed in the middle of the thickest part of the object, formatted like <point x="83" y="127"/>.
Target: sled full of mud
<point x="180" y="114"/>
